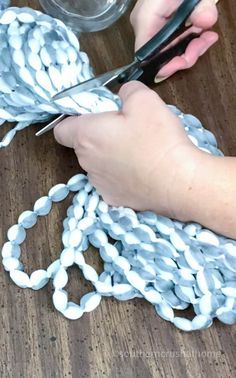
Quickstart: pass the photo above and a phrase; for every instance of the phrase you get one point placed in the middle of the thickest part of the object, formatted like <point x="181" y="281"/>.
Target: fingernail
<point x="188" y="23"/>
<point x="159" y="79"/>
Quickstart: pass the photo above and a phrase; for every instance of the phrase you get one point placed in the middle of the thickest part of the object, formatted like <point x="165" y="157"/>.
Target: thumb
<point x="66" y="131"/>
<point x="94" y="128"/>
<point x="148" y="17"/>
<point x="205" y="15"/>
<point x="72" y="130"/>
<point x="139" y="99"/>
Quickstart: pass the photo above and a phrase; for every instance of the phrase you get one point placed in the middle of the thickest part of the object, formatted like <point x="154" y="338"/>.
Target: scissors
<point x="147" y="60"/>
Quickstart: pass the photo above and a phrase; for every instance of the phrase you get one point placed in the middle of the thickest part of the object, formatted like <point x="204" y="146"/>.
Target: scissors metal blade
<point x="117" y="75"/>
<point x="51" y="125"/>
<point x="143" y="57"/>
<point x="174" y="27"/>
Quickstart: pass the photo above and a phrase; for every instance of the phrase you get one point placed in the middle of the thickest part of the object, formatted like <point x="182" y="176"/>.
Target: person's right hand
<point x="149" y="16"/>
<point x="139" y="157"/>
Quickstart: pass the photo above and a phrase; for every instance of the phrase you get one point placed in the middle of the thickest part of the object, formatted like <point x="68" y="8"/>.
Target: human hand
<point x="139" y="157"/>
<point x="149" y="16"/>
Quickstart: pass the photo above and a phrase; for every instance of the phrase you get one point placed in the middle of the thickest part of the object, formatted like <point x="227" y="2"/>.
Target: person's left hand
<point x="149" y="16"/>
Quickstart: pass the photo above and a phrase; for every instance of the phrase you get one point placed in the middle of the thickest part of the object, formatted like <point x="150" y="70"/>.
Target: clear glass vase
<point x="86" y="15"/>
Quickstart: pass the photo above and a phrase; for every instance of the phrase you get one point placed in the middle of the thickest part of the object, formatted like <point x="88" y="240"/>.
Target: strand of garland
<point x="171" y="264"/>
<point x="39" y="57"/>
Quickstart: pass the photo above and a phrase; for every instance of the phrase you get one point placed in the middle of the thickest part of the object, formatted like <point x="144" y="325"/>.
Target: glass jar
<point x="86" y="15"/>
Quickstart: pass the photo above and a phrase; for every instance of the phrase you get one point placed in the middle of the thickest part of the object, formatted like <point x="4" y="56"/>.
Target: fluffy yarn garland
<point x="39" y="57"/>
<point x="170" y="264"/>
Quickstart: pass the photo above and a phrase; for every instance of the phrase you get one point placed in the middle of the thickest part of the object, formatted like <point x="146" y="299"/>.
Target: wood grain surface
<point x="119" y="339"/>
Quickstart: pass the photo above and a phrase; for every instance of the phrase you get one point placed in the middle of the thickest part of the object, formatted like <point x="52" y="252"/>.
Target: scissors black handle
<point x="168" y="33"/>
<point x="148" y="73"/>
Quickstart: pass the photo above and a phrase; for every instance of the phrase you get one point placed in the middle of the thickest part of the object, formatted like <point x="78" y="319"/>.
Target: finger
<point x="136" y="96"/>
<point x="129" y="89"/>
<point x="65" y="132"/>
<point x="149" y="16"/>
<point x="73" y="130"/>
<point x="205" y="15"/>
<point x="195" y="49"/>
<point x="186" y="33"/>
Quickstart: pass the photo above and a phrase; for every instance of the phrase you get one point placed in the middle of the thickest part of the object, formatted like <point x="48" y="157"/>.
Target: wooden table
<point x="119" y="338"/>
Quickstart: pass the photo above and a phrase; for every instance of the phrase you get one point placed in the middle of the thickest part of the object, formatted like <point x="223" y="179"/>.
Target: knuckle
<point x="143" y="96"/>
<point x="125" y="88"/>
<point x="83" y="162"/>
<point x="138" y="96"/>
<point x="133" y="89"/>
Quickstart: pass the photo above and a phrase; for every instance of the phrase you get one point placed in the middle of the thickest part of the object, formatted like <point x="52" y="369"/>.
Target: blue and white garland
<point x="171" y="264"/>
